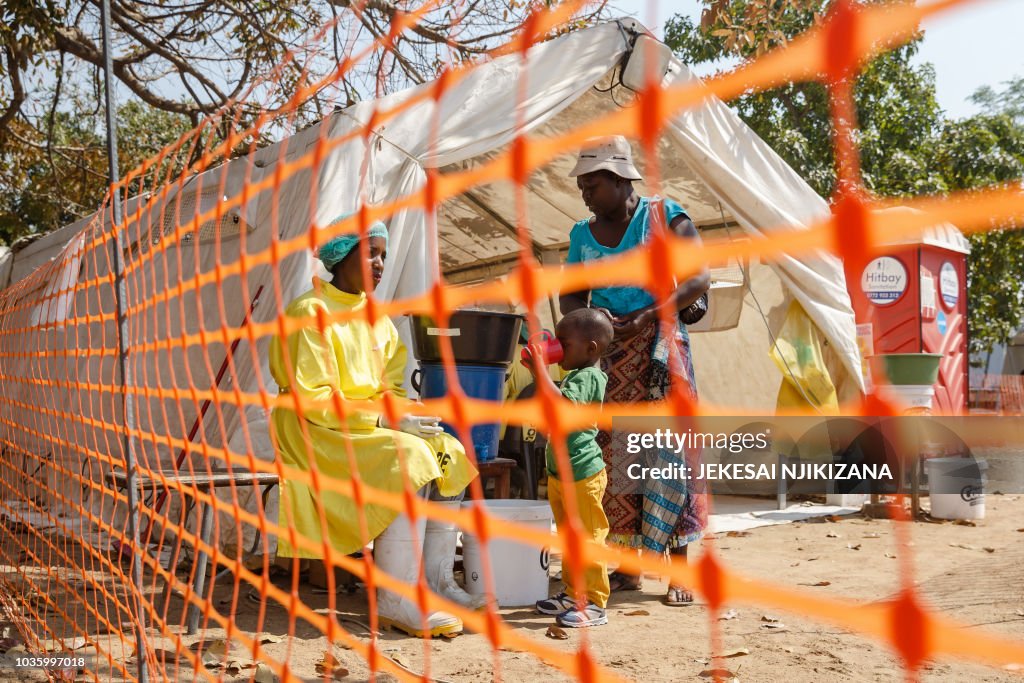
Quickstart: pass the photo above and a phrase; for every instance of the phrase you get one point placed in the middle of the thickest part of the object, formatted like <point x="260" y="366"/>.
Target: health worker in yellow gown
<point x="354" y="360"/>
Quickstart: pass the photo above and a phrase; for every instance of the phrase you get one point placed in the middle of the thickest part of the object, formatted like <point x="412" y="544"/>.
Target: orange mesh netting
<point x="212" y="257"/>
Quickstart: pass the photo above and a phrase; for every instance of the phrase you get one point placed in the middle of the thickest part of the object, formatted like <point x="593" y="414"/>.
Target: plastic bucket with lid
<point x="478" y="381"/>
<point x="956" y="487"/>
<point x="519" y="571"/>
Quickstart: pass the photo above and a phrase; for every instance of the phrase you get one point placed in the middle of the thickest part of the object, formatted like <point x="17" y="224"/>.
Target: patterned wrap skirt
<point x="663" y="514"/>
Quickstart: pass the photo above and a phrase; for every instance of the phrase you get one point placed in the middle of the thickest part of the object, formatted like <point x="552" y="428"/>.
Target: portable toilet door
<point x="944" y="322"/>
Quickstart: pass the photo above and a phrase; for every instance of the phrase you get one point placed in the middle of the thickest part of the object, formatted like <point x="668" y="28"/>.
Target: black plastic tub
<point x="478" y="337"/>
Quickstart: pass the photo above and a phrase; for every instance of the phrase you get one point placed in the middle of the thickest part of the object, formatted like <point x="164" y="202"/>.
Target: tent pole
<point x="120" y="296"/>
<point x="548" y="258"/>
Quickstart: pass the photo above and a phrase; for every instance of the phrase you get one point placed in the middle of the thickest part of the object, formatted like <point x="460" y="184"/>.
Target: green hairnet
<point x="335" y="250"/>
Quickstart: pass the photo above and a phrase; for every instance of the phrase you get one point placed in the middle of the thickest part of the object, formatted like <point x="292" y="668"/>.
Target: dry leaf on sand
<point x="556" y="633"/>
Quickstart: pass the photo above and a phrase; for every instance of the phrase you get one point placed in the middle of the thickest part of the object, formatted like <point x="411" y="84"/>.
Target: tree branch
<point x="73" y="41"/>
<point x="409" y="68"/>
<point x="390" y="10"/>
<point x="121" y="19"/>
<point x="17" y="91"/>
<point x="52" y="119"/>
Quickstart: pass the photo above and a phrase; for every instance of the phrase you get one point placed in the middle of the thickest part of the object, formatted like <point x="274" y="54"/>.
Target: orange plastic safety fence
<point x="215" y="255"/>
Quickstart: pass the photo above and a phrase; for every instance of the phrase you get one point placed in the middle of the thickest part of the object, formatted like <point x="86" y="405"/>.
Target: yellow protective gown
<point x="806" y="383"/>
<point x="355" y="361"/>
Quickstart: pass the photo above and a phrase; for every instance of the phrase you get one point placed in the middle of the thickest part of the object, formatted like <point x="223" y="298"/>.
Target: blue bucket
<point x="485" y="382"/>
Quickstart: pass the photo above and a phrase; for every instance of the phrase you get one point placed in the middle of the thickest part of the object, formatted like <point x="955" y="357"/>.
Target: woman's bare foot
<point x="678" y="596"/>
<point x="619" y="582"/>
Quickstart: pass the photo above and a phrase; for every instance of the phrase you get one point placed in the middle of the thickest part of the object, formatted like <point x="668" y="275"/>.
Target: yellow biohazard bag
<point x="797" y="352"/>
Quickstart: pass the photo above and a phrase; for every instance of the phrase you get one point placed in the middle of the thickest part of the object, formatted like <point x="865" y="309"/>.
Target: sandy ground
<point x="973" y="574"/>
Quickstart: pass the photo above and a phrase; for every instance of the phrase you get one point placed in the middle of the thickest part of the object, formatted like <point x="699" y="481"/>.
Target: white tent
<point x="1014" y="363"/>
<point x="730" y="182"/>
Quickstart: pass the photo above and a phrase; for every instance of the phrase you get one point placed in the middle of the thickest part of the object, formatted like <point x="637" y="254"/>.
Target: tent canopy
<point x="727" y="179"/>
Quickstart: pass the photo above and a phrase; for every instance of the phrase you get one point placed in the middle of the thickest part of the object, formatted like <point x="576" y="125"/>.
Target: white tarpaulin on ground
<point x="728" y="179"/>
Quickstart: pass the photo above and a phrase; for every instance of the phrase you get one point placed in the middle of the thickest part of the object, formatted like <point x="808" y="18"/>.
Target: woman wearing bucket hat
<point x="353" y="359"/>
<point x="659" y="518"/>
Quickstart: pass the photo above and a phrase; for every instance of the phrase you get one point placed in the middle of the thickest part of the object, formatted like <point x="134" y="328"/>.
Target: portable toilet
<point x="915" y="298"/>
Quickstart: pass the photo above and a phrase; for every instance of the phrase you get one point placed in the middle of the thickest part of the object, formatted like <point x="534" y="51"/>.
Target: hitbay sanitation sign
<point x="884" y="280"/>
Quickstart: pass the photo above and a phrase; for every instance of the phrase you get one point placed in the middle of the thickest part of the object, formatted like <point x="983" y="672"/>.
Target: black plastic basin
<point x="478" y="337"/>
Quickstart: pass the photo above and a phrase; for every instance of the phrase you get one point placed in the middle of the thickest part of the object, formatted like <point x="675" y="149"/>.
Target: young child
<point x="584" y="335"/>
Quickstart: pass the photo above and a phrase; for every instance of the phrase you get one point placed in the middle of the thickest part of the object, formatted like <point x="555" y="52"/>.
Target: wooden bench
<point x="205" y="482"/>
<point x="1011" y="394"/>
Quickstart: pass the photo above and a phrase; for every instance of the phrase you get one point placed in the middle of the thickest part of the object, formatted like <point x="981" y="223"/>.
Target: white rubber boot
<point x="439" y="556"/>
<point x="397" y="551"/>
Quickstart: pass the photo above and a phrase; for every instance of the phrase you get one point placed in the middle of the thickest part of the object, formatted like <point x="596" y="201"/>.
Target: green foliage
<point x="896" y="108"/>
<point x="44" y="187"/>
<point x="994" y="285"/>
<point x="988" y="151"/>
<point x="907" y="147"/>
<point x="1009" y="102"/>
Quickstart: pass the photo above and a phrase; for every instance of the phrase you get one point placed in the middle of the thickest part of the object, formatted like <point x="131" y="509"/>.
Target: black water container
<point x="478" y="337"/>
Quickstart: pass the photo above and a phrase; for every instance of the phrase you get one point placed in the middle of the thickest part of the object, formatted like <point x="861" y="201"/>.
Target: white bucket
<point x="519" y="571"/>
<point x="956" y="487"/>
<point x="909" y="395"/>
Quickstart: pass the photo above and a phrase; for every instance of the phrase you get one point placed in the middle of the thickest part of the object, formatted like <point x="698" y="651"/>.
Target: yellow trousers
<point x="589" y="493"/>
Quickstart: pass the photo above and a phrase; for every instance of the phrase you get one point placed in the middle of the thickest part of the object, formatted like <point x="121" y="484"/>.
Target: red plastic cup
<point x="550" y="348"/>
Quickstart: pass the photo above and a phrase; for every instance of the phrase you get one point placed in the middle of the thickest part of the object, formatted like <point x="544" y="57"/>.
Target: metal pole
<point x="120" y="296"/>
<point x="548" y="258"/>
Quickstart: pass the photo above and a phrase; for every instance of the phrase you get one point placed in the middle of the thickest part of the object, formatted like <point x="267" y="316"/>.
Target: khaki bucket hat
<point x="607" y="154"/>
